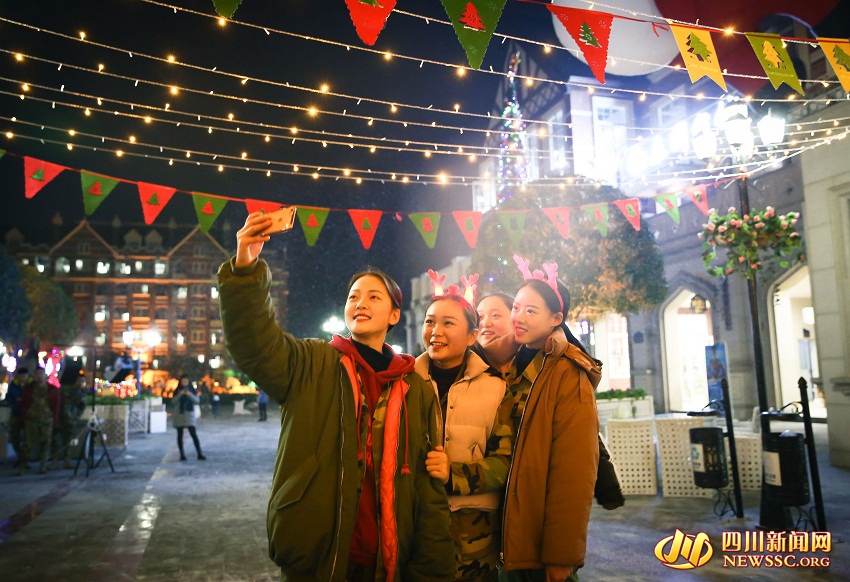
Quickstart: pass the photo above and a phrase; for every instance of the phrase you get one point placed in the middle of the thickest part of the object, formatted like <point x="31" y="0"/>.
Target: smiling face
<point x="446" y="333"/>
<point x="369" y="311"/>
<point x="494" y="319"/>
<point x="531" y="319"/>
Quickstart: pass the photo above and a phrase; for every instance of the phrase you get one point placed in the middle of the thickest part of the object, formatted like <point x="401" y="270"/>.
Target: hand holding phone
<point x="282" y="220"/>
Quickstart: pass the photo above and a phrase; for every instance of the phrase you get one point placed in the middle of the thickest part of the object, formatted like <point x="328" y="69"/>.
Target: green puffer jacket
<point x="314" y="495"/>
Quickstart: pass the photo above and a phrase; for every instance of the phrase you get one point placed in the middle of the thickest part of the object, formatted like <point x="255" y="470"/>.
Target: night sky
<point x="318" y="274"/>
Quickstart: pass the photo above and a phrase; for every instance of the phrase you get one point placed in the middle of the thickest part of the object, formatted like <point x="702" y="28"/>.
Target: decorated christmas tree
<point x="621" y="272"/>
<point x="513" y="168"/>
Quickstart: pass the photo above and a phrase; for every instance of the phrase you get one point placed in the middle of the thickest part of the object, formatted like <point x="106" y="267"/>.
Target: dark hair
<point x="469" y="312"/>
<point x="508" y="300"/>
<point x="552" y="304"/>
<point x="392" y="287"/>
<point x="21" y="371"/>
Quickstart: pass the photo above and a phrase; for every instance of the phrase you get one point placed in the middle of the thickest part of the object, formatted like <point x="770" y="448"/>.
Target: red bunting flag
<point x="469" y="222"/>
<point x="560" y="217"/>
<point x="263" y="206"/>
<point x="698" y="196"/>
<point x="37" y="174"/>
<point x="590" y="29"/>
<point x="369" y="17"/>
<point x="366" y="223"/>
<point x="154" y="198"/>
<point x="630" y="207"/>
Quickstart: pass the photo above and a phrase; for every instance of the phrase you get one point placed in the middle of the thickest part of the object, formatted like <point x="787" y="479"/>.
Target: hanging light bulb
<point x="771" y="129"/>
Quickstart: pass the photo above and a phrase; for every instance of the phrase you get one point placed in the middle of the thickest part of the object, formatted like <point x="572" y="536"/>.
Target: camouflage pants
<point x="476" y="538"/>
<point x="38" y="435"/>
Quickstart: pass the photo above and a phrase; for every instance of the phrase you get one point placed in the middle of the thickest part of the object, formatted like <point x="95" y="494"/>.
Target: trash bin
<point x="708" y="456"/>
<point x="785" y="475"/>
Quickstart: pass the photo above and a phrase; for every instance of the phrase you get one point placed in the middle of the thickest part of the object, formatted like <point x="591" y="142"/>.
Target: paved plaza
<point x="157" y="518"/>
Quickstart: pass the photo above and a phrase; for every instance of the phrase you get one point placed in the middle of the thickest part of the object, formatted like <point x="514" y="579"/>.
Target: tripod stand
<point x="93" y="432"/>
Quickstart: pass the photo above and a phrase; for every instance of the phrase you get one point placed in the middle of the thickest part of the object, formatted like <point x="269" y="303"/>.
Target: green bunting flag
<point x="560" y="217"/>
<point x="427" y="223"/>
<point x="2" y="153"/>
<point x="37" y="174"/>
<point x="775" y="60"/>
<point x="312" y="221"/>
<point x="469" y="222"/>
<point x="226" y="8"/>
<point x="474" y="22"/>
<point x="154" y="198"/>
<point x="630" y="207"/>
<point x="669" y="202"/>
<point x="366" y="223"/>
<point x="598" y="213"/>
<point x="95" y="190"/>
<point x="513" y="222"/>
<point x="208" y="208"/>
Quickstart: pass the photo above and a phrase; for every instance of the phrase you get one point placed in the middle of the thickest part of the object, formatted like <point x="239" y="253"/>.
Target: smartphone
<point x="282" y="220"/>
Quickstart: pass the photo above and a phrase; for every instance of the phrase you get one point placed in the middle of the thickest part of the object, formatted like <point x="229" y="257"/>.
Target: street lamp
<point x="333" y="325"/>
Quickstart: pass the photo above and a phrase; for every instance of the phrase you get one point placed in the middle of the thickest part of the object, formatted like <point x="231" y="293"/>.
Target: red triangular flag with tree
<point x="560" y="217"/>
<point x="669" y="203"/>
<point x="630" y="207"/>
<point x="590" y="29"/>
<point x="513" y="221"/>
<point x="208" y="208"/>
<point x="263" y="206"/>
<point x="37" y="174"/>
<point x="312" y="221"/>
<point x="154" y="198"/>
<point x="427" y="224"/>
<point x="469" y="223"/>
<point x="366" y="223"/>
<point x="369" y="17"/>
<point x="95" y="190"/>
<point x="598" y="214"/>
<point x="698" y="196"/>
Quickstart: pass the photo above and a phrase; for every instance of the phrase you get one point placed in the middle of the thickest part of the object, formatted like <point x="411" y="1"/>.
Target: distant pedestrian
<point x="184" y="415"/>
<point x="73" y="403"/>
<point x="262" y="402"/>
<point x="40" y="410"/>
<point x="14" y="394"/>
<point x="215" y="401"/>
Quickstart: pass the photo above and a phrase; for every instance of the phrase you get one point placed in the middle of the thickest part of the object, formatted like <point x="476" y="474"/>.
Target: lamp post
<point x="333" y="325"/>
<point x="737" y="129"/>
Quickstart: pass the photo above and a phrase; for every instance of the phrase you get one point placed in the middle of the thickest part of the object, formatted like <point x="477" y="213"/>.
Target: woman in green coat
<point x="351" y="498"/>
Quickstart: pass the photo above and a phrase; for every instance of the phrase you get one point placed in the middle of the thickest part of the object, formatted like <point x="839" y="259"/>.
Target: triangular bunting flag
<point x="226" y="8"/>
<point x="369" y="17"/>
<point x="598" y="213"/>
<point x="474" y="22"/>
<point x="837" y="52"/>
<point x="698" y="53"/>
<point x="514" y="223"/>
<point x="366" y="223"/>
<point x="2" y="153"/>
<point x="208" y="208"/>
<point x="468" y="221"/>
<point x="37" y="174"/>
<point x="669" y="203"/>
<point x="560" y="217"/>
<point x="154" y="198"/>
<point x="775" y="60"/>
<point x="427" y="223"/>
<point x="698" y="196"/>
<point x="95" y="190"/>
<point x="312" y="221"/>
<point x="590" y="29"/>
<point x="630" y="207"/>
<point x="261" y="206"/>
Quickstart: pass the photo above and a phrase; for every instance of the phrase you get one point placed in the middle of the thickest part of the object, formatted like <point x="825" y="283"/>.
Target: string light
<point x="171" y="58"/>
<point x="324" y="88"/>
<point x="222" y="21"/>
<point x="174" y="90"/>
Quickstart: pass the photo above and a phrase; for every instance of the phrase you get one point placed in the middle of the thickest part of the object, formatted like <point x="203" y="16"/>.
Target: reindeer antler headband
<point x="550" y="278"/>
<point x="469" y="287"/>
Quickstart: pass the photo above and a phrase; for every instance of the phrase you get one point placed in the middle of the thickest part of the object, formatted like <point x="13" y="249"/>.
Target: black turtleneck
<point x="444" y="377"/>
<point x="523" y="358"/>
<point x="378" y="361"/>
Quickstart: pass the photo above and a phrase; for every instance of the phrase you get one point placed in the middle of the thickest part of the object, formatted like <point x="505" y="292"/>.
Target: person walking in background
<point x="14" y="395"/>
<point x="556" y="456"/>
<point x="356" y="426"/>
<point x="184" y="415"/>
<point x="473" y="459"/>
<point x="263" y="403"/>
<point x="73" y="403"/>
<point x="40" y="410"/>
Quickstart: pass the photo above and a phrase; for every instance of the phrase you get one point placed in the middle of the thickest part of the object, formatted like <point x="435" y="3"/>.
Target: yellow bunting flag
<point x="698" y="52"/>
<point x="775" y="60"/>
<point x="837" y="51"/>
